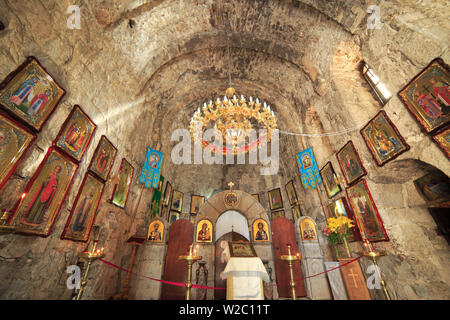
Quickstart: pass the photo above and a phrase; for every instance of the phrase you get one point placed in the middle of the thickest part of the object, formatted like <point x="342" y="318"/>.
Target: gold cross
<point x="231" y="184"/>
<point x="353" y="275"/>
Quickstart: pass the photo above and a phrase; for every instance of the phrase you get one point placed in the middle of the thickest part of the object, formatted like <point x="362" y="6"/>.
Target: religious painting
<point x="308" y="230"/>
<point x="121" y="190"/>
<point x="292" y="194"/>
<point x="177" y="201"/>
<point x="173" y="216"/>
<point x="84" y="209"/>
<point x="75" y="134"/>
<point x="103" y="158"/>
<point x="442" y="139"/>
<point x="434" y="187"/>
<point x="338" y="208"/>
<point x="256" y="196"/>
<point x="276" y="214"/>
<point x="164" y="212"/>
<point x="36" y="212"/>
<point x="296" y="213"/>
<point x="366" y="213"/>
<point x="427" y="96"/>
<point x="30" y="94"/>
<point x="383" y="139"/>
<point x="275" y="200"/>
<point x="196" y="203"/>
<point x="260" y="231"/>
<point x="204" y="231"/>
<point x="14" y="142"/>
<point x="155" y="231"/>
<point x="242" y="249"/>
<point x="328" y="177"/>
<point x="167" y="194"/>
<point x="350" y="164"/>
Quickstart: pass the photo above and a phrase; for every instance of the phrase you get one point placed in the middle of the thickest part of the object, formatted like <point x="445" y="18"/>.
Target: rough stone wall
<point x="140" y="84"/>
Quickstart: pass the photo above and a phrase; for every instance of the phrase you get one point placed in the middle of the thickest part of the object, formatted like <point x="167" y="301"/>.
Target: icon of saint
<point x="25" y="92"/>
<point x="441" y="92"/>
<point x="155" y="234"/>
<point x="42" y="199"/>
<point x="308" y="233"/>
<point x="153" y="161"/>
<point x="429" y="105"/>
<point x="102" y="160"/>
<point x="82" y="212"/>
<point x="38" y="103"/>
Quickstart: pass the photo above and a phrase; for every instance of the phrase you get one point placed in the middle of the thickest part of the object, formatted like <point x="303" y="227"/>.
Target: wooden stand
<point x="123" y="294"/>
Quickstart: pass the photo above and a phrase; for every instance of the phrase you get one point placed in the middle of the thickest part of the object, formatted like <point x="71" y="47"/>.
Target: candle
<point x="190" y="249"/>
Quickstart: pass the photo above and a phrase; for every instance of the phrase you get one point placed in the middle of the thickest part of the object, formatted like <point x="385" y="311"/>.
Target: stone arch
<point x="246" y="205"/>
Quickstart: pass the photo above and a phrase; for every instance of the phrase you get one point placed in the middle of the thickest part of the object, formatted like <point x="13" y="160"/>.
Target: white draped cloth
<point x="247" y="274"/>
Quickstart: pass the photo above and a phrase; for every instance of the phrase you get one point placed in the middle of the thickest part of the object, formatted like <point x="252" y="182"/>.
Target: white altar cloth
<point x="244" y="278"/>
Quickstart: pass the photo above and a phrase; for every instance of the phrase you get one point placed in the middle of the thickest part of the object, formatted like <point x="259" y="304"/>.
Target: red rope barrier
<point x="179" y="284"/>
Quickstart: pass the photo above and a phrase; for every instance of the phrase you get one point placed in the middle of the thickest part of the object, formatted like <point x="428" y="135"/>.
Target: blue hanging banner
<point x="308" y="168"/>
<point x="151" y="171"/>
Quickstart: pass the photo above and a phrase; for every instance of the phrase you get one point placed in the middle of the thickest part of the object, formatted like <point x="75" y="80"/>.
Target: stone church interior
<point x="224" y="150"/>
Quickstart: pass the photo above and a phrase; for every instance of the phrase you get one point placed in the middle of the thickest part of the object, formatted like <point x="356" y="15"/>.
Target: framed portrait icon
<point x="427" y="96"/>
<point x="261" y="231"/>
<point x="14" y="142"/>
<point x="292" y="194"/>
<point x="204" y="231"/>
<point x="296" y="213"/>
<point x="121" y="190"/>
<point x="30" y="94"/>
<point x="177" y="201"/>
<point x="383" y="139"/>
<point x="103" y="159"/>
<point x="350" y="163"/>
<point x="155" y="231"/>
<point x="75" y="134"/>
<point x="84" y="210"/>
<point x="36" y="212"/>
<point x="196" y="203"/>
<point x="328" y="176"/>
<point x="275" y="200"/>
<point x="366" y="213"/>
<point x="167" y="194"/>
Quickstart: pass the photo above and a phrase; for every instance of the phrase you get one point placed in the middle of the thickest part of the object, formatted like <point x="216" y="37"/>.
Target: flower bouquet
<point x="339" y="228"/>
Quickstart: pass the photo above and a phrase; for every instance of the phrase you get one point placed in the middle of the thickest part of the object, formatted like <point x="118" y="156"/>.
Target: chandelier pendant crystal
<point x="232" y="119"/>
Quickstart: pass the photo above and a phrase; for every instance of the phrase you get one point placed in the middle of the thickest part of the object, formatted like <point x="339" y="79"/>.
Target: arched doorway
<point x="230" y="226"/>
<point x="226" y="217"/>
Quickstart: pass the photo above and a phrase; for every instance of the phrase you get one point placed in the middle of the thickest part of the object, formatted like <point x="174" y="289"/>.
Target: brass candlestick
<point x="190" y="259"/>
<point x="90" y="255"/>
<point x="373" y="254"/>
<point x="290" y="260"/>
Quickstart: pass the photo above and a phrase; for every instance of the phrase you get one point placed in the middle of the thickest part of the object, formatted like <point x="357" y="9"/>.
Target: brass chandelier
<point x="232" y="118"/>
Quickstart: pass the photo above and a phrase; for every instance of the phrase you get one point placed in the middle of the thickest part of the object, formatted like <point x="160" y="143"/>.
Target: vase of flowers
<point x="333" y="237"/>
<point x="339" y="228"/>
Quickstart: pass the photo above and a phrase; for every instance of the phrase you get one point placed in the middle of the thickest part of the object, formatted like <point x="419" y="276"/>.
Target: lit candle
<point x="289" y="248"/>
<point x="190" y="249"/>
